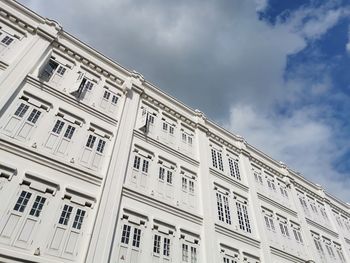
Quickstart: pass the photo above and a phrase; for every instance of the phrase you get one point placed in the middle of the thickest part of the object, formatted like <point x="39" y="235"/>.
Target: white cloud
<point x="301" y="139"/>
<point x="215" y="55"/>
<point x="261" y="5"/>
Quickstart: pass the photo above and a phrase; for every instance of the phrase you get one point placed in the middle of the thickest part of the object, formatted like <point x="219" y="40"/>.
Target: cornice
<point x="7" y="144"/>
<point x="70" y="100"/>
<point x="287" y="256"/>
<point x="223" y="142"/>
<point x="165" y="148"/>
<point x="168" y="110"/>
<point x="229" y="180"/>
<point x="320" y="227"/>
<point x="236" y="235"/>
<point x="266" y="167"/>
<point x="89" y="63"/>
<point x="166" y="207"/>
<point x="16" y="21"/>
<point x="277" y="205"/>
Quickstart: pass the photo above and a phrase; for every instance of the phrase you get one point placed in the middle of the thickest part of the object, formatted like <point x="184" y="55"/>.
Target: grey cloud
<point x="220" y="50"/>
<point x="216" y="56"/>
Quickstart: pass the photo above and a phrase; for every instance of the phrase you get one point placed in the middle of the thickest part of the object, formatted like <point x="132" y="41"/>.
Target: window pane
<point x="37" y="206"/>
<point x="22" y="201"/>
<point x="78" y="220"/>
<point x="65" y="215"/>
<point x="58" y="127"/>
<point x="21" y="110"/>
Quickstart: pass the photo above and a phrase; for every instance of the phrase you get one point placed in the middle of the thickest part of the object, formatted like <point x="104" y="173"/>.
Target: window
<point x="147" y="120"/>
<point x="216" y="158"/>
<point x="140" y="170"/>
<point x="269" y="222"/>
<point x="136" y="236"/>
<point x="313" y="206"/>
<point x="109" y="100"/>
<point x="85" y="89"/>
<point x="69" y="226"/>
<point x="161" y="246"/>
<point x="94" y="150"/>
<point x="341" y="254"/>
<point x="188" y="187"/>
<point x="130" y="238"/>
<point x="7" y="40"/>
<point x="243" y="218"/>
<point x="186" y="138"/>
<point x="296" y="233"/>
<point x="189" y="248"/>
<point x="258" y="178"/>
<point x="165" y="179"/>
<point x="61" y="134"/>
<point x="283" y="227"/>
<point x="223" y="207"/>
<point x="338" y="219"/>
<point x="24" y="120"/>
<point x="168" y="131"/>
<point x="234" y="168"/>
<point x="303" y="203"/>
<point x="329" y="248"/>
<point x="318" y="245"/>
<point x="271" y="183"/>
<point x="283" y="189"/>
<point x="19" y="224"/>
<point x="53" y="71"/>
<point x="184" y="253"/>
<point x="323" y="212"/>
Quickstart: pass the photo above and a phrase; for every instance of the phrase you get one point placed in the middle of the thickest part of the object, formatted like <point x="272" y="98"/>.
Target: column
<point x="104" y="231"/>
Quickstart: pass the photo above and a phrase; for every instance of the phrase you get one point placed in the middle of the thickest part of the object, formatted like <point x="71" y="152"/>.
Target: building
<point x="99" y="165"/>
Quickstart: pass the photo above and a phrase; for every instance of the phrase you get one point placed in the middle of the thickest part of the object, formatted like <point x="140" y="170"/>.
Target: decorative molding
<point x="278" y="205"/>
<point x="229" y="180"/>
<point x="8" y="145"/>
<point x="15" y="20"/>
<point x="88" y="63"/>
<point x="321" y="227"/>
<point x="70" y="100"/>
<point x="171" y="112"/>
<point x="287" y="256"/>
<point x="165" y="148"/>
<point x="166" y="207"/>
<point x="265" y="167"/>
<point x="237" y="236"/>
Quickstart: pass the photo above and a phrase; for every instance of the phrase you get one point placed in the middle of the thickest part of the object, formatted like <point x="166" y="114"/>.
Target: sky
<point x="275" y="72"/>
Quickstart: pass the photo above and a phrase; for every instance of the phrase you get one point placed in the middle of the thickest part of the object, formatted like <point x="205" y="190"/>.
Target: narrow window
<point x="78" y="220"/>
<point x="184" y="253"/>
<point x="37" y="206"/>
<point x="91" y="141"/>
<point x="137" y="161"/>
<point x="65" y="215"/>
<point x="136" y="238"/>
<point x="166" y="247"/>
<point x="22" y="201"/>
<point x="126" y="234"/>
<point x="34" y="116"/>
<point x="156" y="244"/>
<point x="21" y="110"/>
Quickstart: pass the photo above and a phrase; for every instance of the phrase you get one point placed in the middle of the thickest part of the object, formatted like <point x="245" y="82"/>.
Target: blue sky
<point x="272" y="71"/>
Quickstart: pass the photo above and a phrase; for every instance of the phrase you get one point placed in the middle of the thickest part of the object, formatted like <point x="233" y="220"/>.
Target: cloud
<point x="303" y="139"/>
<point x="231" y="63"/>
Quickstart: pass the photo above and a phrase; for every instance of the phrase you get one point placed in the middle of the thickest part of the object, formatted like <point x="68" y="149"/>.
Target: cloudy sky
<point x="276" y="72"/>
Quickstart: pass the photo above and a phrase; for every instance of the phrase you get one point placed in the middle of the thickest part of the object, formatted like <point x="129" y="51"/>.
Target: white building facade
<point x="99" y="165"/>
